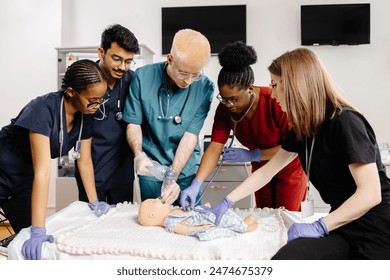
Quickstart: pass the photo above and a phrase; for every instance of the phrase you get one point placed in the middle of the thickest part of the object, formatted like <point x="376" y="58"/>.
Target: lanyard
<point x="308" y="158"/>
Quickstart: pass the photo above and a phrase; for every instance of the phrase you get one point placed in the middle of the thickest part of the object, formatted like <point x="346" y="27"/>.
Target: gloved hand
<point x="32" y="248"/>
<point x="140" y="162"/>
<point x="241" y="155"/>
<point x="314" y="230"/>
<point x="100" y="207"/>
<point x="188" y="196"/>
<point x="218" y="210"/>
<point x="169" y="193"/>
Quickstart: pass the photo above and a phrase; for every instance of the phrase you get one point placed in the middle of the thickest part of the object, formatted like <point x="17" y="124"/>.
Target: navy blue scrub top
<point x="111" y="154"/>
<point x="41" y="115"/>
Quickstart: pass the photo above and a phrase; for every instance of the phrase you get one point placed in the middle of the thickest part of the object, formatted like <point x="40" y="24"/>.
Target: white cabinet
<point x="319" y="205"/>
<point x="231" y="175"/>
<point x="227" y="179"/>
<point x="67" y="55"/>
<point x="66" y="192"/>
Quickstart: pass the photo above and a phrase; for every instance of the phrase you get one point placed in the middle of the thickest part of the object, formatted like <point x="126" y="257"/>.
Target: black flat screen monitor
<point x="220" y="24"/>
<point x="340" y="24"/>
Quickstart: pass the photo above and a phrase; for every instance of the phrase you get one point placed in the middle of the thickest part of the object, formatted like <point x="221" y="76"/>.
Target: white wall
<point x="29" y="32"/>
<point x="273" y="27"/>
<point x="31" y="29"/>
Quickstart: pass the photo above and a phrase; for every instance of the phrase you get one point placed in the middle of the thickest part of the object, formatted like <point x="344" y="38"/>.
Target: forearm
<point x="184" y="151"/>
<point x="87" y="173"/>
<point x="134" y="138"/>
<point x="209" y="160"/>
<point x="262" y="175"/>
<point x="40" y="153"/>
<point x="88" y="178"/>
<point x="267" y="154"/>
<point x="39" y="199"/>
<point x="367" y="195"/>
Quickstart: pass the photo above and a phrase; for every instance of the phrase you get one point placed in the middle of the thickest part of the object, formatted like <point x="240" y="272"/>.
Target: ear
<point x="169" y="58"/>
<point x="70" y="92"/>
<point x="100" y="53"/>
<point x="251" y="91"/>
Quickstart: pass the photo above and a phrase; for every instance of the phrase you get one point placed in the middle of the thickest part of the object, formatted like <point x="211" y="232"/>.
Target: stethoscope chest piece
<point x="76" y="152"/>
<point x="178" y="119"/>
<point x="119" y="116"/>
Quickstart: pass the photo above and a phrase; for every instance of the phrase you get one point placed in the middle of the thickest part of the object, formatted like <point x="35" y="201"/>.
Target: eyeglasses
<point x="184" y="75"/>
<point x="117" y="61"/>
<point x="94" y="104"/>
<point x="232" y="100"/>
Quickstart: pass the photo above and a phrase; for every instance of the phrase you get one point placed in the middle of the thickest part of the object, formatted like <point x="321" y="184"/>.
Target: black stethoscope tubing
<point x="118" y="114"/>
<point x="235" y="122"/>
<point x="178" y="118"/>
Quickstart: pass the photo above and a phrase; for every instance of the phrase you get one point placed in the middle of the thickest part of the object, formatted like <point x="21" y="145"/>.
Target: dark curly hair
<point x="122" y="36"/>
<point x="235" y="59"/>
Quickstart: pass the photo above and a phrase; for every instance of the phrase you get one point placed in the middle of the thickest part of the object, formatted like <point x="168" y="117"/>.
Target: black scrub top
<point x="345" y="139"/>
<point x="41" y="115"/>
<point x="111" y="154"/>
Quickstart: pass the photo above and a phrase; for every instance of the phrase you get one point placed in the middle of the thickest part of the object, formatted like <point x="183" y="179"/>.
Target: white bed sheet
<point x="77" y="217"/>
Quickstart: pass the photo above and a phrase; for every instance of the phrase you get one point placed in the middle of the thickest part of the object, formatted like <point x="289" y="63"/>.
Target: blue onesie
<point x="231" y="224"/>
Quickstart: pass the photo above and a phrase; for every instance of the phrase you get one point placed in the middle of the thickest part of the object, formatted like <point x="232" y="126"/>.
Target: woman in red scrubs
<point x="258" y="123"/>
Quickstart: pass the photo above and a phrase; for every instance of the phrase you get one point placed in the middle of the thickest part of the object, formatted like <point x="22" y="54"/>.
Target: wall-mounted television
<point x="220" y="24"/>
<point x="336" y="24"/>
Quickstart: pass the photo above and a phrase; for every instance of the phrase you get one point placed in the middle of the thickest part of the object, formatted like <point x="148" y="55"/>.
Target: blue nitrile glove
<point x="188" y="196"/>
<point x="100" y="207"/>
<point x="32" y="248"/>
<point x="314" y="230"/>
<point x="218" y="210"/>
<point x="241" y="155"/>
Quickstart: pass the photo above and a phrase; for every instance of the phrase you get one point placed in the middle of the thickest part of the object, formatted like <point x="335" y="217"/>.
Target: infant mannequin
<point x="153" y="212"/>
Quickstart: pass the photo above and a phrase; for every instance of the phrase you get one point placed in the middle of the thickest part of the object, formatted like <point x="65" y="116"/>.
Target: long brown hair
<point x="308" y="90"/>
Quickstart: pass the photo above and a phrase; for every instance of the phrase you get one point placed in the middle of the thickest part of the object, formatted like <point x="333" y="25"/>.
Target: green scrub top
<point x="147" y="103"/>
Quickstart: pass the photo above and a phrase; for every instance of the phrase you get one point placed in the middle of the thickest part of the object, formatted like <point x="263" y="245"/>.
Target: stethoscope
<point x="77" y="147"/>
<point x="118" y="114"/>
<point x="165" y="116"/>
<point x="235" y="122"/>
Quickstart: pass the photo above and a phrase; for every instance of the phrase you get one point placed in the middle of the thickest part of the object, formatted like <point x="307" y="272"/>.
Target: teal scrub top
<point x="147" y="102"/>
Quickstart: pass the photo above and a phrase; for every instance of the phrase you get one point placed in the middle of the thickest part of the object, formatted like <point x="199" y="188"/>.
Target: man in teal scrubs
<point x="167" y="105"/>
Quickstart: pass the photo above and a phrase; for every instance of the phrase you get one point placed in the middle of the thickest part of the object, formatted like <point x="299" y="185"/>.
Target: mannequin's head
<point x="152" y="212"/>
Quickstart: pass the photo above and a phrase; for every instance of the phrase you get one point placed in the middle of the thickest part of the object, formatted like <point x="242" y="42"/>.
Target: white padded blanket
<point x="118" y="234"/>
<point x="80" y="235"/>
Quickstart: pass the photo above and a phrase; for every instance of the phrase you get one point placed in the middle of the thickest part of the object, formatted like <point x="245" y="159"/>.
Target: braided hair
<point x="235" y="59"/>
<point x="82" y="74"/>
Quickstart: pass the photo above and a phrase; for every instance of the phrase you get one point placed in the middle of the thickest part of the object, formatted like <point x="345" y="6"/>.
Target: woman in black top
<point x="337" y="148"/>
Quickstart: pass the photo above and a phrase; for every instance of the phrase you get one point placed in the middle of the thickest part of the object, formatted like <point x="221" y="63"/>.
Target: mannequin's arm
<point x="183" y="229"/>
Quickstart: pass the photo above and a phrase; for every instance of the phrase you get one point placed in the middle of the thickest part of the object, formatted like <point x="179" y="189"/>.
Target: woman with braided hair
<point x="46" y="128"/>
<point x="258" y="122"/>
